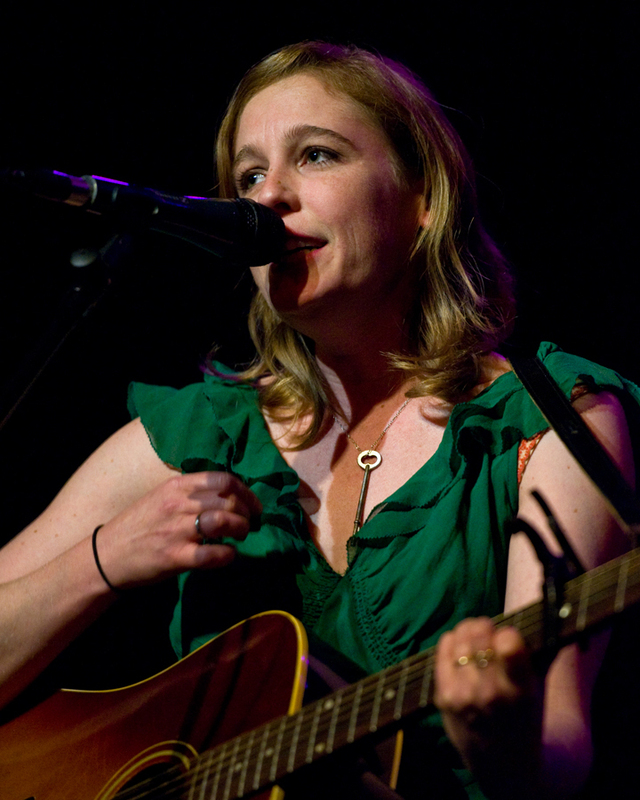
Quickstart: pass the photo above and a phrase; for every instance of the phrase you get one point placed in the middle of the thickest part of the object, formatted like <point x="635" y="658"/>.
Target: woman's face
<point x="327" y="169"/>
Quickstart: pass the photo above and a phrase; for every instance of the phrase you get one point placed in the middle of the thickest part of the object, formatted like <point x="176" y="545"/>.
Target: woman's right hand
<point x="157" y="536"/>
<point x="50" y="586"/>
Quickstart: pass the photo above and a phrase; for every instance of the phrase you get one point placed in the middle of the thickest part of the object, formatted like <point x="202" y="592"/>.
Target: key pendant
<point x="368" y="460"/>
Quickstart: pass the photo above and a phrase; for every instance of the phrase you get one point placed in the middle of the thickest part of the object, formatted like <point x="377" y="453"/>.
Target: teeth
<point x="296" y="246"/>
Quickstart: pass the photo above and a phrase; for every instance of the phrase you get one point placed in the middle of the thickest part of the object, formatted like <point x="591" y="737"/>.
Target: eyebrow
<point x="294" y="134"/>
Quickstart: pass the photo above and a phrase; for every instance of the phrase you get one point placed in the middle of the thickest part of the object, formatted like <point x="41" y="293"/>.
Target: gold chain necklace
<point x="368" y="460"/>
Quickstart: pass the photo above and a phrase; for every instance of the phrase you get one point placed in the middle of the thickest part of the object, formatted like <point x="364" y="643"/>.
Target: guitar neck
<point x="266" y="755"/>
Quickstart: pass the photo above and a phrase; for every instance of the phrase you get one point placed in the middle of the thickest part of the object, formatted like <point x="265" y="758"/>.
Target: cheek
<point x="400" y="213"/>
<point x="353" y="215"/>
<point x="381" y="199"/>
<point x="387" y="225"/>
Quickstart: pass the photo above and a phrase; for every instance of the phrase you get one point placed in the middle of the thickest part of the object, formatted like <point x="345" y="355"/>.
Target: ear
<point x="423" y="213"/>
<point x="421" y="207"/>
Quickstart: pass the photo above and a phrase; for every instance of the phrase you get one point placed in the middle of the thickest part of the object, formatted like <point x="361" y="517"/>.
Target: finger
<point x="515" y="657"/>
<point x="213" y="556"/>
<point x="467" y="665"/>
<point x="217" y="523"/>
<point x="202" y="487"/>
<point x="224" y="484"/>
<point x="499" y="668"/>
<point x="469" y="638"/>
<point x="235" y="503"/>
<point x="226" y="492"/>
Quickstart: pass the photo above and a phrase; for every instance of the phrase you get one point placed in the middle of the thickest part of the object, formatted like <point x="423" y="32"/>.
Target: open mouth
<point x="306" y="248"/>
<point x="301" y="245"/>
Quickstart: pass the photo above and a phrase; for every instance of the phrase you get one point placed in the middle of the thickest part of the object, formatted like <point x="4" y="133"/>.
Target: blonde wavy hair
<point x="464" y="304"/>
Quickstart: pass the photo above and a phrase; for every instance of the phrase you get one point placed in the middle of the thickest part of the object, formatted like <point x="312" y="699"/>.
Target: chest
<point x="336" y="489"/>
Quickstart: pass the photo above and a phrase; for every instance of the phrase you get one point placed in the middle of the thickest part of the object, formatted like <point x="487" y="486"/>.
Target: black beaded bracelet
<point x="99" y="565"/>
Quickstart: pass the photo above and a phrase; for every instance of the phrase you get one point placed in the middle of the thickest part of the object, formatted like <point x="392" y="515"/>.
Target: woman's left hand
<point x="490" y="698"/>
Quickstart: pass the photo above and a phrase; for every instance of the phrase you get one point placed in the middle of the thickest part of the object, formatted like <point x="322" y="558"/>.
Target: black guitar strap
<point x="581" y="443"/>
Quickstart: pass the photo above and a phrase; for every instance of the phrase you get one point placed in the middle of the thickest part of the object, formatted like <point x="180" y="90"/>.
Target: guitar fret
<point x="314" y="731"/>
<point x="375" y="714"/>
<point x="294" y="741"/>
<point x="231" y="769"/>
<point x="193" y="780"/>
<point x="273" y="772"/>
<point x="261" y="756"/>
<point x="214" y="790"/>
<point x="581" y="619"/>
<point x="621" y="589"/>
<point x="205" y="779"/>
<point x="397" y="711"/>
<point x="245" y="766"/>
<point x="426" y="686"/>
<point x="334" y="721"/>
<point x="354" y="713"/>
<point x="200" y="781"/>
<point x="517" y="618"/>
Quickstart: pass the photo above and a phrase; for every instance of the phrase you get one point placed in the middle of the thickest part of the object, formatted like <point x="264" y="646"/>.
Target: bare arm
<point x="519" y="734"/>
<point x="50" y="588"/>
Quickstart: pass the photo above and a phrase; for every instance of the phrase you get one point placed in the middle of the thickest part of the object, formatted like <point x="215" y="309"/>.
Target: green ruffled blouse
<point x="434" y="553"/>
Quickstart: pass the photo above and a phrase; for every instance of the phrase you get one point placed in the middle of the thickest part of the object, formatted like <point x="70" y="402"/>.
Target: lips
<point x="297" y="244"/>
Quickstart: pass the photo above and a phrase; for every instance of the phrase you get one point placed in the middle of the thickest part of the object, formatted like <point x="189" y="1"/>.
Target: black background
<point x="545" y="97"/>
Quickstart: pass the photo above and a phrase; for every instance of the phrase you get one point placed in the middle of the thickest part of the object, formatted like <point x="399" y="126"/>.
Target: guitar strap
<point x="579" y="440"/>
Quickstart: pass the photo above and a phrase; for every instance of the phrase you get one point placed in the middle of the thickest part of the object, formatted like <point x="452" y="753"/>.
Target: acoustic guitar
<point x="227" y="722"/>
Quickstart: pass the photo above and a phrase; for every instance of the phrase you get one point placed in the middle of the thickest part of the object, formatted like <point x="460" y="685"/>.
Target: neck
<point x="349" y="344"/>
<point x="357" y="384"/>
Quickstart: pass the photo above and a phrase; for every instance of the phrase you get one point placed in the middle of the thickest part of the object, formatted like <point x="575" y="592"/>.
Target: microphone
<point x="242" y="232"/>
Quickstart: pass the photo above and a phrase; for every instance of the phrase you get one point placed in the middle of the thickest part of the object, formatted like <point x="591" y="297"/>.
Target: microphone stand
<point x="189" y="218"/>
<point x="96" y="271"/>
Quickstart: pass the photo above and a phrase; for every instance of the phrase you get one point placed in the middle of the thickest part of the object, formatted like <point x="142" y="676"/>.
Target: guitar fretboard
<point x="264" y="756"/>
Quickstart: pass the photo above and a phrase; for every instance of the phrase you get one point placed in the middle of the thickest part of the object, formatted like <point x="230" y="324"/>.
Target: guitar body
<point x="227" y="722"/>
<point x="79" y="745"/>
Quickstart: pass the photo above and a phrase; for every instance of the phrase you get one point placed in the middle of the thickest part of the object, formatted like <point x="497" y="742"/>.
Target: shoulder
<point x="198" y="421"/>
<point x="501" y="395"/>
<point x="606" y="402"/>
<point x="575" y="502"/>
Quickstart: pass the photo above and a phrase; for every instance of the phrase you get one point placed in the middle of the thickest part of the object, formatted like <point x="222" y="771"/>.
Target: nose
<point x="278" y="191"/>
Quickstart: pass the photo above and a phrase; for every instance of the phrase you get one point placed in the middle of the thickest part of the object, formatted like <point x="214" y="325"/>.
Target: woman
<point x="361" y="473"/>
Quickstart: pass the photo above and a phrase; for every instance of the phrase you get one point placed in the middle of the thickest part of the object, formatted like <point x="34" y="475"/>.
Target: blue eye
<point x="319" y="155"/>
<point x="253" y="177"/>
<point x="247" y="180"/>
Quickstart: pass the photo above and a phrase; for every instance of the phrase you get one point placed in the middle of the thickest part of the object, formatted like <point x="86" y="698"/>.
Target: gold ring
<point x="483" y="657"/>
<point x="480" y="658"/>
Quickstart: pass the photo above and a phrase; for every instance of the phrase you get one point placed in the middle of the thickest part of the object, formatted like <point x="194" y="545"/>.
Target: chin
<point x="288" y="288"/>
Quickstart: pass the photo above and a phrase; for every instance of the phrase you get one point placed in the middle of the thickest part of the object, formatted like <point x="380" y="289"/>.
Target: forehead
<point x="303" y="100"/>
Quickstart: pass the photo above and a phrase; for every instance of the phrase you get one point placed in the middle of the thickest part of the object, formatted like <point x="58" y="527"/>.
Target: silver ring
<point x="200" y="534"/>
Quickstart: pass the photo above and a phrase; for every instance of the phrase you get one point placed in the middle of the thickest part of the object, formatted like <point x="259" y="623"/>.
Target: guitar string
<point x="181" y="778"/>
<point x="601" y="579"/>
<point x="530" y="616"/>
<point x="347" y="714"/>
<point x="416" y="677"/>
<point x="226" y="763"/>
